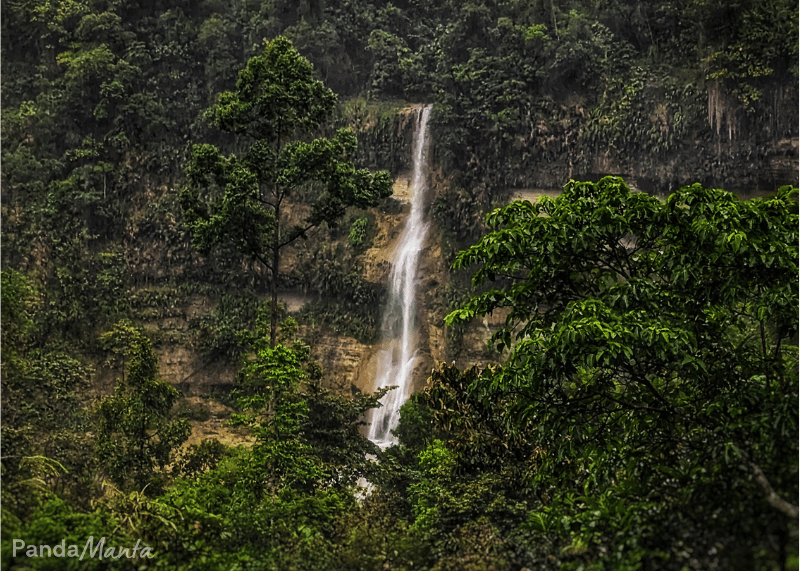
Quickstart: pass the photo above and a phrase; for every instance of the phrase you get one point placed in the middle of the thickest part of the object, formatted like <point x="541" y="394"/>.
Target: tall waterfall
<point x="397" y="361"/>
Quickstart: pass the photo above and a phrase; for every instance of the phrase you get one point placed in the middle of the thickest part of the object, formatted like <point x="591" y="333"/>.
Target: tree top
<point x="276" y="96"/>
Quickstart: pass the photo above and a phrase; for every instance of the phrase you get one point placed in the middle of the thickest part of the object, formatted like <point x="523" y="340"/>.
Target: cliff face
<point x="726" y="164"/>
<point x="348" y="361"/>
<point x="352" y="363"/>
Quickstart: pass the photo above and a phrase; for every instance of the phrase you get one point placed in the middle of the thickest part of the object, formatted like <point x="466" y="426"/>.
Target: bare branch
<point x="295" y="235"/>
<point x="773" y="498"/>
<point x="261" y="259"/>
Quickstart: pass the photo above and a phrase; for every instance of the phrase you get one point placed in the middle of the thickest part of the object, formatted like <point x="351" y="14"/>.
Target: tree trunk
<point x="276" y="241"/>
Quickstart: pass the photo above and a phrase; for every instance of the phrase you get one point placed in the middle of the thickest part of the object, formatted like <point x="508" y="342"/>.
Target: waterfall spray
<point x="399" y="320"/>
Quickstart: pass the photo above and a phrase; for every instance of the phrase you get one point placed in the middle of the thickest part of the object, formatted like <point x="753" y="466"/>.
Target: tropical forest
<point x="360" y="285"/>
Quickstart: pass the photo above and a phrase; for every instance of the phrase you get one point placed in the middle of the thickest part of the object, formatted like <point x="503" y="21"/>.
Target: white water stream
<point x="399" y="357"/>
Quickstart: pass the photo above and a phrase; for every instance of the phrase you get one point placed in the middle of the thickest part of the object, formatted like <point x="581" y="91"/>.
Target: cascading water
<point x="397" y="361"/>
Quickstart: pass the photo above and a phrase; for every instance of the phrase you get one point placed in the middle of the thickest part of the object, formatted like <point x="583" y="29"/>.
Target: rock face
<point x="377" y="260"/>
<point x="348" y="362"/>
<point x="190" y="373"/>
<point x="343" y="359"/>
<point x="734" y="167"/>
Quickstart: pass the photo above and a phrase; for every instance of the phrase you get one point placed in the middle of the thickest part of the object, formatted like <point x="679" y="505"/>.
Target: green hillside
<point x="636" y="407"/>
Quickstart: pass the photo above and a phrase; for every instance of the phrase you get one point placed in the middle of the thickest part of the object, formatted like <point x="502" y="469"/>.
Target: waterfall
<point x="397" y="361"/>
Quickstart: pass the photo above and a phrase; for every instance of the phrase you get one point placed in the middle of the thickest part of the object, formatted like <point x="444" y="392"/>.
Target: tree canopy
<point x="653" y="361"/>
<point x="275" y="110"/>
<point x="136" y="436"/>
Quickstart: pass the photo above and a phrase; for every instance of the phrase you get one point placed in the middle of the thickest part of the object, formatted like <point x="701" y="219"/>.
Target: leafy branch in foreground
<point x="654" y="359"/>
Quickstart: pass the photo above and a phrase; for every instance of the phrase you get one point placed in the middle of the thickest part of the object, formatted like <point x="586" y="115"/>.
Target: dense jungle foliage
<point x="645" y="412"/>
